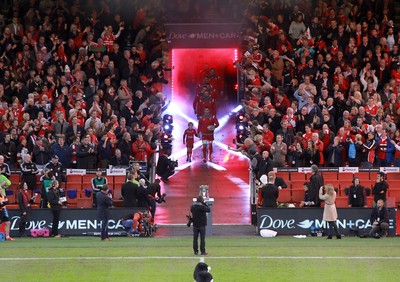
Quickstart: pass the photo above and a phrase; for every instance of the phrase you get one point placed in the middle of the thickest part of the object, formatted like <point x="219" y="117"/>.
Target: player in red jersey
<point x="188" y="139"/>
<point x="207" y="124"/>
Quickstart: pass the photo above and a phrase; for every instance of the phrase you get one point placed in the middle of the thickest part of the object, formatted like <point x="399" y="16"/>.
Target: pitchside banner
<point x="72" y="221"/>
<point x="203" y="35"/>
<point x="296" y="221"/>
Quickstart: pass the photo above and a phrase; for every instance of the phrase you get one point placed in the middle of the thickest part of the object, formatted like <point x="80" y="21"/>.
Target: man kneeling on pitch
<point x="379" y="220"/>
<point x="135" y="222"/>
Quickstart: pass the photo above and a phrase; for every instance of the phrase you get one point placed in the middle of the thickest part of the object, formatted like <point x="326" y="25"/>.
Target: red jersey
<point x="371" y="110"/>
<point x="140" y="150"/>
<point x="206" y="124"/>
<point x="202" y="102"/>
<point x="268" y="137"/>
<point x="382" y="147"/>
<point x="188" y="137"/>
<point x="291" y="120"/>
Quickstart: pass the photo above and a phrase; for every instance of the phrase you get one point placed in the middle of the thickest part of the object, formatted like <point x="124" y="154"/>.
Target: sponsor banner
<point x="298" y="221"/>
<point x="348" y="169"/>
<point x="389" y="169"/>
<point x="76" y="171"/>
<point x="203" y="35"/>
<point x="72" y="221"/>
<point x="304" y="169"/>
<point x="116" y="171"/>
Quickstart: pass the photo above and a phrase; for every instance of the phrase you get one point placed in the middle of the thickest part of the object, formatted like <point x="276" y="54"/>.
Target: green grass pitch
<point x="171" y="259"/>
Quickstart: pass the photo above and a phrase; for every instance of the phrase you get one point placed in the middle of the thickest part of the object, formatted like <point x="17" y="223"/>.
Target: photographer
<point x="199" y="210"/>
<point x="165" y="167"/>
<point x="155" y="196"/>
<point x="135" y="222"/>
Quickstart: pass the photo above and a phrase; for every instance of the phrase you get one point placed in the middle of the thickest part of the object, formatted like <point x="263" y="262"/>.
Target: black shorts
<point x="4" y="215"/>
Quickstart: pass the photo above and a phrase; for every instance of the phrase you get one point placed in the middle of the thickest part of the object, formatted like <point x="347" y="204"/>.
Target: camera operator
<point x="135" y="222"/>
<point x="165" y="167"/>
<point x="155" y="196"/>
<point x="199" y="210"/>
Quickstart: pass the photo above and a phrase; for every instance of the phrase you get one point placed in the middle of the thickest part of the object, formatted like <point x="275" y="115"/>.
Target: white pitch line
<point x="209" y="257"/>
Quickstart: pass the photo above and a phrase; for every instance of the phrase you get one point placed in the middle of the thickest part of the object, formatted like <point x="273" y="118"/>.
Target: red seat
<point x="390" y="202"/>
<point x="395" y="192"/>
<point x="283" y="174"/>
<point x="393" y="183"/>
<point x="341" y="202"/>
<point x="298" y="184"/>
<point x="393" y="176"/>
<point x="284" y="196"/>
<point x="345" y="176"/>
<point x="370" y="201"/>
<point x="363" y="176"/>
<point x="84" y="203"/>
<point x="330" y="175"/>
<point x="297" y="195"/>
<point x="73" y="186"/>
<point x="87" y="177"/>
<point x="74" y="178"/>
<point x="297" y="176"/>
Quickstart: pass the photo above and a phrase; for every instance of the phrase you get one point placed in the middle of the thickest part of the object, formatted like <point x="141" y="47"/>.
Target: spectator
<point x="380" y="188"/>
<point x="357" y="196"/>
<point x="29" y="171"/>
<point x="86" y="153"/>
<point x="4" y="168"/>
<point x="278" y="152"/>
<point x="8" y="150"/>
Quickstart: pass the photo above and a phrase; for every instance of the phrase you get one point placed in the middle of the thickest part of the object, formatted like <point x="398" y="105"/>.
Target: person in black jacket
<point x="316" y="182"/>
<point x="199" y="210"/>
<point x="143" y="200"/>
<point x="380" y="188"/>
<point x="357" y="195"/>
<point x="104" y="202"/>
<point x="4" y="167"/>
<point x="379" y="220"/>
<point x="86" y="154"/>
<point x="165" y="167"/>
<point x="154" y="190"/>
<point x="24" y="202"/>
<point x="29" y="171"/>
<point x="129" y="192"/>
<point x="54" y="198"/>
<point x="270" y="192"/>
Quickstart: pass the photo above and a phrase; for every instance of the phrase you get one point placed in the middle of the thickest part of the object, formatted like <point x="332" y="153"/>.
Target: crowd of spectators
<point x="81" y="80"/>
<point x="322" y="82"/>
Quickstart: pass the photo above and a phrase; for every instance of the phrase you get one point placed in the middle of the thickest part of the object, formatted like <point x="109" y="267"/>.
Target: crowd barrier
<point x="72" y="221"/>
<point x="299" y="221"/>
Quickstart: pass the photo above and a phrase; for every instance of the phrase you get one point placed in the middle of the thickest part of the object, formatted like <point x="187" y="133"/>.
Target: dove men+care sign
<point x="298" y="221"/>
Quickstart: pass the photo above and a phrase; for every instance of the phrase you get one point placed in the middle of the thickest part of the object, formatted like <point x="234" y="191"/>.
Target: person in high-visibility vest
<point x="4" y="217"/>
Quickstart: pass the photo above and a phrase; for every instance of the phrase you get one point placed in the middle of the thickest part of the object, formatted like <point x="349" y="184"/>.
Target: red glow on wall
<point x="190" y="66"/>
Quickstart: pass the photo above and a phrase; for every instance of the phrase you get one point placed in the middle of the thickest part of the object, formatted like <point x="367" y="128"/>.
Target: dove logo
<point x="305" y="224"/>
<point x="268" y="222"/>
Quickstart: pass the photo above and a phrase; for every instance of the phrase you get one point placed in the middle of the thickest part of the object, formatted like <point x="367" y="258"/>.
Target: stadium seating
<point x="284" y="196"/>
